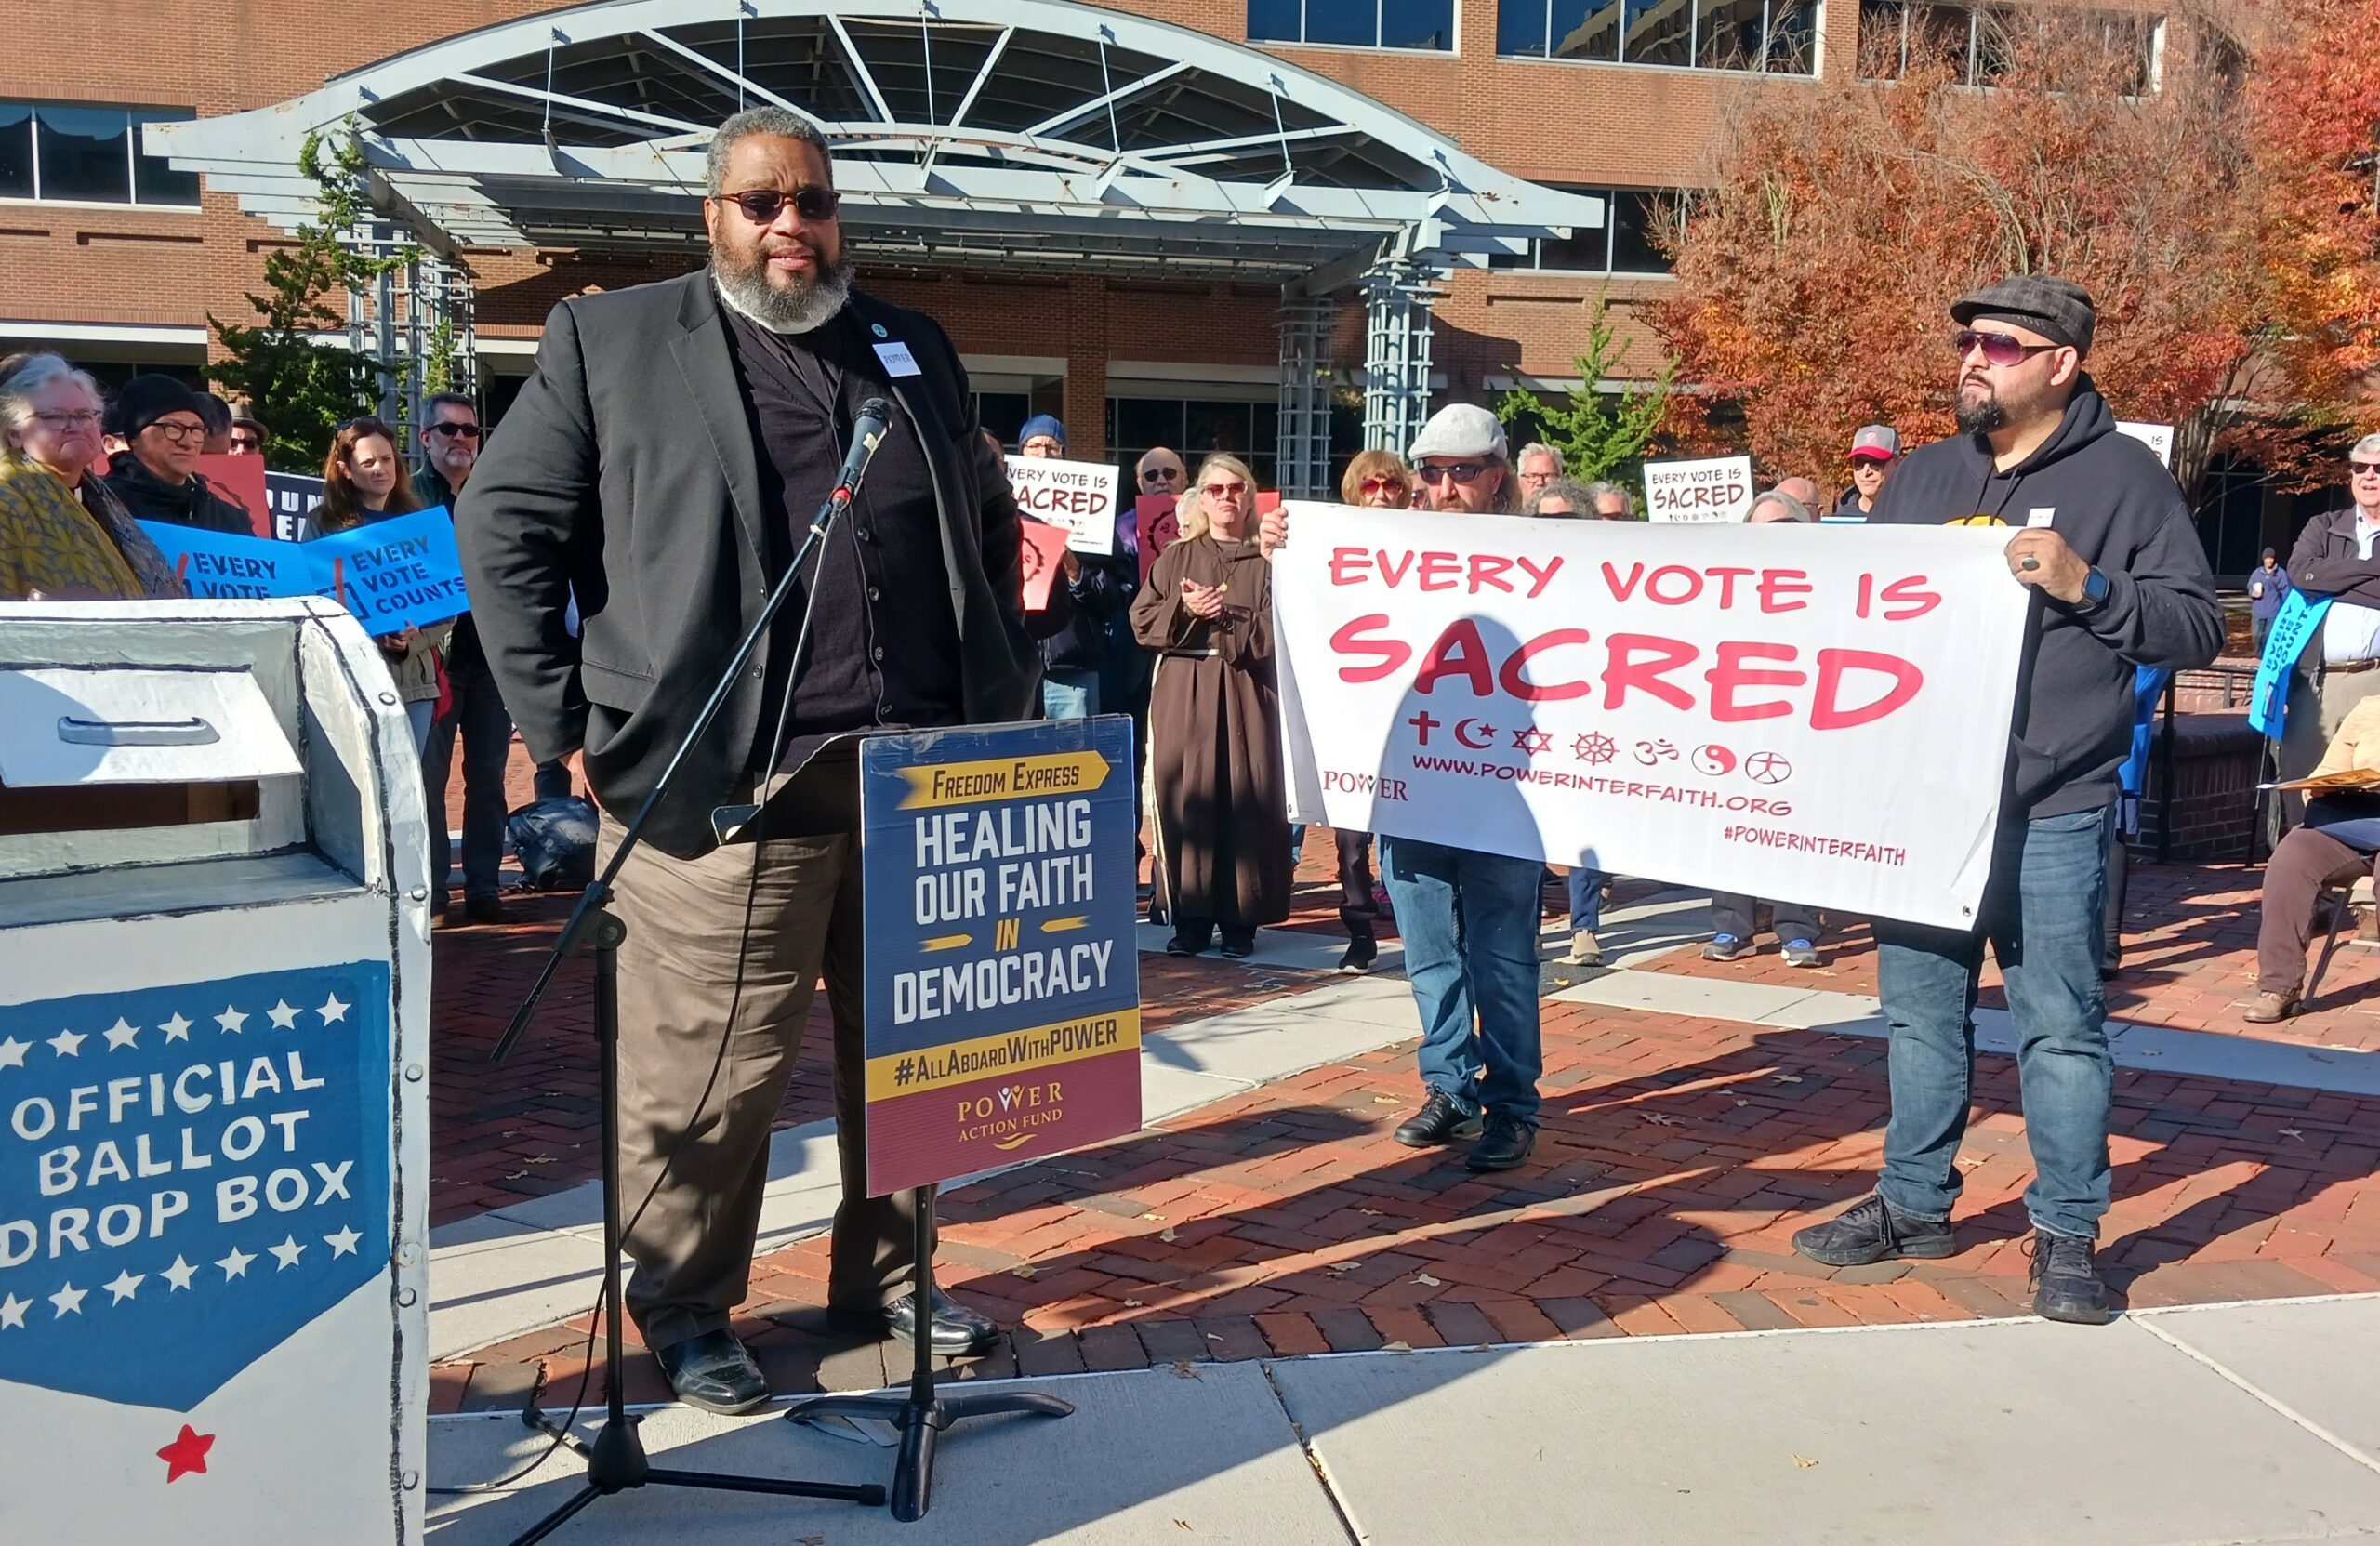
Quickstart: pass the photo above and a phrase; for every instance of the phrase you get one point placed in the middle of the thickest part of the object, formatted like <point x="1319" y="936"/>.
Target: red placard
<point x="1041" y="555"/>
<point x="240" y="481"/>
<point x="1157" y="527"/>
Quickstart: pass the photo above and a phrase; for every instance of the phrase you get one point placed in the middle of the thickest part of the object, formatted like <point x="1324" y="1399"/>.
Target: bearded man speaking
<point x="663" y="465"/>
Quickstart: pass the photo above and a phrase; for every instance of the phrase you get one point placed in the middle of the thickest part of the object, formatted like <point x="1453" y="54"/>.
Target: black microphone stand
<point x="615" y="1460"/>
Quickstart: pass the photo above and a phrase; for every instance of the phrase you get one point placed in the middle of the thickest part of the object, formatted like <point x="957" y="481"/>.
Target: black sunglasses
<point x="2000" y="349"/>
<point x="469" y="432"/>
<point x="762" y="205"/>
<point x="1461" y="472"/>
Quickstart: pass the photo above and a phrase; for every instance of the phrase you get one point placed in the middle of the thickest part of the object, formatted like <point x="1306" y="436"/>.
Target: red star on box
<point x="186" y="1454"/>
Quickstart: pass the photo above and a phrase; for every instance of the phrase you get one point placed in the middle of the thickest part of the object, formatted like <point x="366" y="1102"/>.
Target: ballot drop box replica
<point x="213" y="1065"/>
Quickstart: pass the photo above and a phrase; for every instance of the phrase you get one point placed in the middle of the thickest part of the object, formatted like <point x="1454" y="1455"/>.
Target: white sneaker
<point x="1585" y="949"/>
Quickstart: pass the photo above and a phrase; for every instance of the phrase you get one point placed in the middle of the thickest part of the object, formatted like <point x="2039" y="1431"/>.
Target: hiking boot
<point x="1726" y="947"/>
<point x="2066" y="1281"/>
<point x="1800" y="953"/>
<point x="1585" y="949"/>
<point x="2271" y="1007"/>
<point x="1504" y="1145"/>
<point x="1438" y="1121"/>
<point x="1873" y="1230"/>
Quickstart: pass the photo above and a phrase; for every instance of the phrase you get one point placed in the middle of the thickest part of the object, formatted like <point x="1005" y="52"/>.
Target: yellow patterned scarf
<point x="50" y="544"/>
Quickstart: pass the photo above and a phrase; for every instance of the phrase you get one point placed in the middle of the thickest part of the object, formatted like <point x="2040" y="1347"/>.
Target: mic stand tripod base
<point x="615" y="1461"/>
<point x="921" y="1415"/>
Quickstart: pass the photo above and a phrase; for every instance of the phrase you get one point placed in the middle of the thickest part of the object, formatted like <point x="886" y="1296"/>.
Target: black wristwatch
<point x="2096" y="586"/>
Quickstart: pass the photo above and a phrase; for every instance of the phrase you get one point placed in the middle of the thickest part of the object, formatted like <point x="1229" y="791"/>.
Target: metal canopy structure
<point x="966" y="133"/>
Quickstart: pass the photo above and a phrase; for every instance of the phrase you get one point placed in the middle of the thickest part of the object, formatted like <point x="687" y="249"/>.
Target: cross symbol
<point x="1424" y="722"/>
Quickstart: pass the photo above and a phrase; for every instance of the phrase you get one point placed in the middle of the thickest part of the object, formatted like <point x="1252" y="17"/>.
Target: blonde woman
<point x="1220" y="801"/>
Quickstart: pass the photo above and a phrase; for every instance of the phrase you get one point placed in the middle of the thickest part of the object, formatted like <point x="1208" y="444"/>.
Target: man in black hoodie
<point x="158" y="478"/>
<point x="2119" y="580"/>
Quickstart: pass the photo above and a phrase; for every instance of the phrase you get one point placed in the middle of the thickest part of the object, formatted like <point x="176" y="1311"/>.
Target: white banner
<point x="2157" y="437"/>
<point x="1079" y="496"/>
<point x="1716" y="488"/>
<point x="1809" y="714"/>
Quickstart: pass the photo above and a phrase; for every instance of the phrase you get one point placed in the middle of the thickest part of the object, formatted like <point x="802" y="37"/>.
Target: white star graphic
<point x="287" y="1252"/>
<point x="12" y="1052"/>
<point x="68" y="1300"/>
<point x="124" y="1033"/>
<point x="230" y="1020"/>
<point x="343" y="1243"/>
<point x="333" y="1010"/>
<point x="127" y="1284"/>
<point x="69" y="1043"/>
<point x="178" y="1274"/>
<point x="176" y="1029"/>
<point x="13" y="1312"/>
<point x="284" y="1018"/>
<point x="235" y="1265"/>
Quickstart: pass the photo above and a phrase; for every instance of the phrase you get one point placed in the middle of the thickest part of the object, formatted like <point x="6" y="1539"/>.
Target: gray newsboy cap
<point x="2058" y="309"/>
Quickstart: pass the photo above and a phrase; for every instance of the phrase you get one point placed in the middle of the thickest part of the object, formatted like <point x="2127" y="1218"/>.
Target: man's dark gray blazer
<point x="626" y="470"/>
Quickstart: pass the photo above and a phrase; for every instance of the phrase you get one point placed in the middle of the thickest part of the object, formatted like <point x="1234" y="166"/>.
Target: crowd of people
<point x="602" y="615"/>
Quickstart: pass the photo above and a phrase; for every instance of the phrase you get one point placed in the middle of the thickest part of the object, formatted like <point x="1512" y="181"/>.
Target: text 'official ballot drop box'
<point x="214" y="1063"/>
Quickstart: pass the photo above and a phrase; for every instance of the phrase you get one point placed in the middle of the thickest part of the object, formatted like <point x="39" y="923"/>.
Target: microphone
<point x="868" y="432"/>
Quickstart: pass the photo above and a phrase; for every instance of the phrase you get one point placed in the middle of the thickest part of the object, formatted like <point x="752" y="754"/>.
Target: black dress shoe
<point x="1506" y="1145"/>
<point x="713" y="1371"/>
<point x="957" y="1331"/>
<point x="485" y="909"/>
<point x="1438" y="1121"/>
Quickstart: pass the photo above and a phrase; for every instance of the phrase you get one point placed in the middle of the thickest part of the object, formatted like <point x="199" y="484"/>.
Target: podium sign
<point x="1003" y="979"/>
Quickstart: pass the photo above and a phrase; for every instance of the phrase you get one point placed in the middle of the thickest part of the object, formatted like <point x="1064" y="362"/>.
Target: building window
<point x="1626" y="246"/>
<point x="1354" y="24"/>
<point x="1777" y="38"/>
<point x="1972" y="41"/>
<point x="72" y="152"/>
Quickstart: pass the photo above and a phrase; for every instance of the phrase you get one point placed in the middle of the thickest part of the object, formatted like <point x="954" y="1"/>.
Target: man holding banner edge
<point x="2120" y="581"/>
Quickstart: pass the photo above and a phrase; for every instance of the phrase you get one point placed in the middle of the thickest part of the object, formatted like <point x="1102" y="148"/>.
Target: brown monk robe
<point x="1220" y="805"/>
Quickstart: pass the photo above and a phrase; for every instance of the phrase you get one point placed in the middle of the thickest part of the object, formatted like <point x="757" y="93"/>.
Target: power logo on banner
<point x="1814" y="713"/>
<point x="1003" y="978"/>
<point x="2292" y="627"/>
<point x="188" y="1176"/>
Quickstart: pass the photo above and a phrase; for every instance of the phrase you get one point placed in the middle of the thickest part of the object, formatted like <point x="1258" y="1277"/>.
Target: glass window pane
<point x="1002" y="413"/>
<point x="154" y="178"/>
<point x="16" y="150"/>
<point x="1586" y="29"/>
<point x="1142" y="422"/>
<point x="1520" y="28"/>
<point x="1792" y="37"/>
<point x="1417" y="25"/>
<point x="1728" y="36"/>
<point x="1659" y="31"/>
<point x="1345" y="21"/>
<point x="1272" y="20"/>
<point x="1219" y="427"/>
<point x="1939" y="35"/>
<point x="1881" y="24"/>
<point x="1992" y="30"/>
<point x="83" y="154"/>
<point x="1634" y="216"/>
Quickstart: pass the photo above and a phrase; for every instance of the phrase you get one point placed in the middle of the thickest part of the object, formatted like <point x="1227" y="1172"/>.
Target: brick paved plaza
<point x="1678" y="1154"/>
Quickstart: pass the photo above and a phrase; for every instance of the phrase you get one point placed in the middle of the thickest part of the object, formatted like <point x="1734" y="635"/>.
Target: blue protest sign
<point x="2268" y="702"/>
<point x="188" y="1176"/>
<point x="1003" y="977"/>
<point x="392" y="574"/>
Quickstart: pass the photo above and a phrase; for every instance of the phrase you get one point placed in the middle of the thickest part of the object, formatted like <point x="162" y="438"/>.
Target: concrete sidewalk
<point x="2234" y="1423"/>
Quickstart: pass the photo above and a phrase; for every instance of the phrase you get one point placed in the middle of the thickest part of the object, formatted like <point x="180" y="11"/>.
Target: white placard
<point x="2157" y="437"/>
<point x="1079" y="496"/>
<point x="1715" y="488"/>
<point x="1809" y="714"/>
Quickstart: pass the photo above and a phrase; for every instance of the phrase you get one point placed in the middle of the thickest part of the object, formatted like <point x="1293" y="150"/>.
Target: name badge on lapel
<point x="2040" y="515"/>
<point x="897" y="359"/>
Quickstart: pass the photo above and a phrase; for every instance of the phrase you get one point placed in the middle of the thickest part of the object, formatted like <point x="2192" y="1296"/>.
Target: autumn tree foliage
<point x="1815" y="272"/>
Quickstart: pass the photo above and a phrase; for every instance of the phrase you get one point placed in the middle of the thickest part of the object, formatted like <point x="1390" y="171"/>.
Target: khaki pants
<point x="700" y="1146"/>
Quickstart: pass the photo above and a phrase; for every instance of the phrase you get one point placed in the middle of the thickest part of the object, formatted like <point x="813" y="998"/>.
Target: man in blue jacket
<point x="2119" y="581"/>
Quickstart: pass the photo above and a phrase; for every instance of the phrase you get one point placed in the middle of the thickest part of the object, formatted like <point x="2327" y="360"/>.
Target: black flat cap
<point x="2058" y="309"/>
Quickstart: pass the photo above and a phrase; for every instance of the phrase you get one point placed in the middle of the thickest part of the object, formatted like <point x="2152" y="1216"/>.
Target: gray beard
<point x="749" y="295"/>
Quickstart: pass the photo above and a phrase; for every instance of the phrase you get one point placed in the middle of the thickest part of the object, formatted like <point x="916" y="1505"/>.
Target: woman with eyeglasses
<point x="1377" y="480"/>
<point x="164" y="429"/>
<point x="363" y="480"/>
<point x="63" y="533"/>
<point x="1220" y="801"/>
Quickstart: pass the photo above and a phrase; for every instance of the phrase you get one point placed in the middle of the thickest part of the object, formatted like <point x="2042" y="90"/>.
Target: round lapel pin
<point x="880" y="331"/>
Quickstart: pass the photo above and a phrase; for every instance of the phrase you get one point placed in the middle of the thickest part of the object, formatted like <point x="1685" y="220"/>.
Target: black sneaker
<point x="1726" y="947"/>
<point x="1872" y="1230"/>
<point x="1505" y="1145"/>
<point x="1361" y="952"/>
<point x="1438" y="1121"/>
<point x="2066" y="1281"/>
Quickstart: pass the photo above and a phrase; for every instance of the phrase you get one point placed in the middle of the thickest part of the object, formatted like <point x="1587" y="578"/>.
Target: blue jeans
<point x="1469" y="923"/>
<point x="1586" y="899"/>
<point x="2041" y="912"/>
<point x="1069" y="695"/>
<point x="418" y="714"/>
